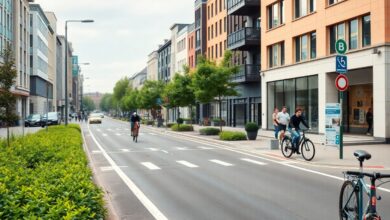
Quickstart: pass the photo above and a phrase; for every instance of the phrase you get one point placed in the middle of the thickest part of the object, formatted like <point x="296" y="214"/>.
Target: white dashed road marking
<point x="187" y="164"/>
<point x="125" y="150"/>
<point x="153" y="149"/>
<point x="222" y="163"/>
<point x="253" y="161"/>
<point x="205" y="148"/>
<point x="96" y="152"/>
<point x="150" y="166"/>
<point x="164" y="151"/>
<point x="117" y="134"/>
<point x="104" y="135"/>
<point x="182" y="148"/>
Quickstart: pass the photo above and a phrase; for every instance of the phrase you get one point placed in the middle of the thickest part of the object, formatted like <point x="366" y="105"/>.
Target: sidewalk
<point x="326" y="156"/>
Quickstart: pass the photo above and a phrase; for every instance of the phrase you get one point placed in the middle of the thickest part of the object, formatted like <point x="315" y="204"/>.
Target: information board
<point x="332" y="124"/>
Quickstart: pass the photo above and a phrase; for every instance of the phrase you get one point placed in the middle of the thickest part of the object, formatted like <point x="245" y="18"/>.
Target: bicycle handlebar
<point x="371" y="175"/>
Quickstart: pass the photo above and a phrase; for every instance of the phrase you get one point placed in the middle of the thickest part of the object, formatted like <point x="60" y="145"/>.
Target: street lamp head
<point x="87" y="21"/>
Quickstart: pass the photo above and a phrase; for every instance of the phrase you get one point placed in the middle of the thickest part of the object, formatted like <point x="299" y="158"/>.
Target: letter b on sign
<point x="341" y="46"/>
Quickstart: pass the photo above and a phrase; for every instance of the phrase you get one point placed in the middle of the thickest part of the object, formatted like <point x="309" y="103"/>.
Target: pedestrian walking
<point x="275" y="121"/>
<point x="369" y="119"/>
<point x="283" y="120"/>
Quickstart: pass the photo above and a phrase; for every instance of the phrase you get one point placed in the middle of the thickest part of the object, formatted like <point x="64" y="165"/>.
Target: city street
<point x="171" y="177"/>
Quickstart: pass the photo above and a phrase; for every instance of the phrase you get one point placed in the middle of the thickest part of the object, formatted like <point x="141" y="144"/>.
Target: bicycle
<point x="135" y="132"/>
<point x="307" y="147"/>
<point x="353" y="189"/>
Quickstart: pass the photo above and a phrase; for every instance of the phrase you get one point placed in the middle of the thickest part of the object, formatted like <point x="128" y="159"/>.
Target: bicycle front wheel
<point x="286" y="147"/>
<point x="308" y="150"/>
<point x="348" y="204"/>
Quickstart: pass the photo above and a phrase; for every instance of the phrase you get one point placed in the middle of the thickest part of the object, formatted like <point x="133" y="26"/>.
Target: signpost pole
<point x="341" y="126"/>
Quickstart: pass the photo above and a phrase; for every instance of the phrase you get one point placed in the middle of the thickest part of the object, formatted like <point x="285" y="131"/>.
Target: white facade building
<point x="152" y="68"/>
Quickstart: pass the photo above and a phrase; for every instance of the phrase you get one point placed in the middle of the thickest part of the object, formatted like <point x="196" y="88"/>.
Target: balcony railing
<point x="244" y="38"/>
<point x="247" y="73"/>
<point x="243" y="7"/>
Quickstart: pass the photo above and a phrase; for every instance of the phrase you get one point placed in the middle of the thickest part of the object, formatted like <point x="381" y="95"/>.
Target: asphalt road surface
<point x="165" y="176"/>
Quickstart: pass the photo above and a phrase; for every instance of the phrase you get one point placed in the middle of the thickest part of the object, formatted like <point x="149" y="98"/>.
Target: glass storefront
<point x="295" y="93"/>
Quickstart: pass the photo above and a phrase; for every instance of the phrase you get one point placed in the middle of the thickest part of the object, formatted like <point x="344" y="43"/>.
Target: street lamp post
<point x="66" y="63"/>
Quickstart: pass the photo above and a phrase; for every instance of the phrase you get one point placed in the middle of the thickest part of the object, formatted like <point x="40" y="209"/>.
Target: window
<point x="353" y="34"/>
<point x="212" y="10"/>
<point x="220" y="5"/>
<point x="366" y="31"/>
<point x="220" y="49"/>
<point x="216" y="29"/>
<point x="276" y="55"/>
<point x="305" y="45"/>
<point x="220" y="26"/>
<point x="216" y="51"/>
<point x="208" y="12"/>
<point x="224" y="24"/>
<point x="216" y="7"/>
<point x="212" y="52"/>
<point x="275" y="14"/>
<point x="304" y="7"/>
<point x="208" y="33"/>
<point x="331" y="2"/>
<point x="212" y="31"/>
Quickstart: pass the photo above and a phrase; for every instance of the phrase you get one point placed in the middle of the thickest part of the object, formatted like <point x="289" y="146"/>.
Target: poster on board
<point x="332" y="124"/>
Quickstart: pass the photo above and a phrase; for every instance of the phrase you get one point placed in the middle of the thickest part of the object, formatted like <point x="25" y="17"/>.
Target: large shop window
<point x="275" y="14"/>
<point x="295" y="93"/>
<point x="354" y="34"/>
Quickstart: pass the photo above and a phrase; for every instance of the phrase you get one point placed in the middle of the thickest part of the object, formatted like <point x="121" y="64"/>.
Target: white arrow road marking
<point x="222" y="163"/>
<point x="150" y="166"/>
<point x="187" y="164"/>
<point x="253" y="161"/>
<point x="157" y="214"/>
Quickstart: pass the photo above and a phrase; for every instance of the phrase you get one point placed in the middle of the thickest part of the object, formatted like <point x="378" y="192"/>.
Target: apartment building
<point x="164" y="61"/>
<point x="298" y="60"/>
<point x="52" y="57"/>
<point x="191" y="46"/>
<point x="179" y="52"/>
<point x="243" y="40"/>
<point x="41" y="89"/>
<point x="216" y="29"/>
<point x="60" y="76"/>
<point x="20" y="12"/>
<point x="200" y="28"/>
<point x="152" y="66"/>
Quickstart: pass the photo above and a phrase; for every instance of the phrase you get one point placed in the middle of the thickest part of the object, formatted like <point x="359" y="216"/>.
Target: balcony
<point x="244" y="39"/>
<point x="243" y="7"/>
<point x="247" y="73"/>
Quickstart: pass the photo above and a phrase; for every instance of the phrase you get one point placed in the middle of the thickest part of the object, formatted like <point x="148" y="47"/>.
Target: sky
<point x="125" y="32"/>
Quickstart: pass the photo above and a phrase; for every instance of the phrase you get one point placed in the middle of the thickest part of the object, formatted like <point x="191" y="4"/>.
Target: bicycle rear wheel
<point x="308" y="150"/>
<point x="286" y="147"/>
<point x="348" y="203"/>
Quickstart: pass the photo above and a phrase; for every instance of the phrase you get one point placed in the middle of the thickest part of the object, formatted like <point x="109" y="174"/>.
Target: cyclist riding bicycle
<point x="134" y="118"/>
<point x="294" y="128"/>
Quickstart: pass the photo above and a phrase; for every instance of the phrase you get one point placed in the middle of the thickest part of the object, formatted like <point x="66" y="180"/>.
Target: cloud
<point x="124" y="33"/>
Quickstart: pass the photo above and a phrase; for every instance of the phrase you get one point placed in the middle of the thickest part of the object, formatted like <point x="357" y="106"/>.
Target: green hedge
<point x="46" y="176"/>
<point x="209" y="131"/>
<point x="169" y="125"/>
<point x="176" y="127"/>
<point x="232" y="136"/>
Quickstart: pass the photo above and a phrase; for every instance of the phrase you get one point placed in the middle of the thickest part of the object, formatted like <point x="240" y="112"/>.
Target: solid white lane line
<point x="153" y="149"/>
<point x="253" y="161"/>
<point x="222" y="163"/>
<point x="187" y="164"/>
<point x="150" y="166"/>
<point x="157" y="214"/>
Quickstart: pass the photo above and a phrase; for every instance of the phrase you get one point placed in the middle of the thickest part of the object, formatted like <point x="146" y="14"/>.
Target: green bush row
<point x="169" y="125"/>
<point x="232" y="136"/>
<point x="177" y="127"/>
<point x="209" y="131"/>
<point x="46" y="176"/>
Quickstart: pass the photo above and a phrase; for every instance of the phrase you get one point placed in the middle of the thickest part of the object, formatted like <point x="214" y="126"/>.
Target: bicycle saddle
<point x="362" y="155"/>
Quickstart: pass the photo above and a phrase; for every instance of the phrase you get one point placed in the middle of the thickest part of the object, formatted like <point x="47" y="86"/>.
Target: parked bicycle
<point x="306" y="146"/>
<point x="352" y="192"/>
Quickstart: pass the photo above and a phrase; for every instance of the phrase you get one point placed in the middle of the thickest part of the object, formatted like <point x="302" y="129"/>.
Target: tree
<point x="7" y="98"/>
<point x="88" y="104"/>
<point x="130" y="101"/>
<point x="120" y="90"/>
<point x="150" y="95"/>
<point x="212" y="82"/>
<point x="179" y="92"/>
<point x="106" y="103"/>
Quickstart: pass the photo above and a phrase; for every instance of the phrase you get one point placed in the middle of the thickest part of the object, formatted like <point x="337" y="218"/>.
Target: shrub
<point x="150" y="122"/>
<point x="176" y="127"/>
<point x="251" y="127"/>
<point x="169" y="125"/>
<point x="217" y="120"/>
<point x="209" y="131"/>
<point x="46" y="175"/>
<point x="180" y="121"/>
<point x="232" y="136"/>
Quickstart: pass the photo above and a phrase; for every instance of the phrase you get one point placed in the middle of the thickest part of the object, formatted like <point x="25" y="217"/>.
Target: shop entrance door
<point x="239" y="115"/>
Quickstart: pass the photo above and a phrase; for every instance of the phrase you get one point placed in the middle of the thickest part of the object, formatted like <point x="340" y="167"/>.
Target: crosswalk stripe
<point x="150" y="166"/>
<point x="221" y="163"/>
<point x="187" y="164"/>
<point x="253" y="161"/>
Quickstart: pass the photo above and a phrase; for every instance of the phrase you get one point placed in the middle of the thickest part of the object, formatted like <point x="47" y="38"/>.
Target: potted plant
<point x="252" y="130"/>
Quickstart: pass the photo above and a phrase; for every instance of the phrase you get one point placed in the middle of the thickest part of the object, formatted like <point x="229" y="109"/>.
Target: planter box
<point x="252" y="135"/>
<point x="217" y="123"/>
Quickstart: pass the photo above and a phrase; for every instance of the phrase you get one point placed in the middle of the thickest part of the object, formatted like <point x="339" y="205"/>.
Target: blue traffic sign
<point x="341" y="64"/>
